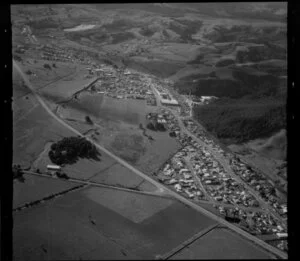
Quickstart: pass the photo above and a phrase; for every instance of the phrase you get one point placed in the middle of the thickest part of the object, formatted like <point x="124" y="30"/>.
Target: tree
<point x="54" y="65"/>
<point x="88" y="120"/>
<point x="151" y="126"/>
<point x="47" y="66"/>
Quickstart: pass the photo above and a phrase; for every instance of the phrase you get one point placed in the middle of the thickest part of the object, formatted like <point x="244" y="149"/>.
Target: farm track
<point x="102" y="185"/>
<point x="154" y="182"/>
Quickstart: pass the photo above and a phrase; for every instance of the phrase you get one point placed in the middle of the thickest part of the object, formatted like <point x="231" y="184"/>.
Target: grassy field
<point x="157" y="151"/>
<point x="66" y="87"/>
<point x="32" y="132"/>
<point x="125" y="225"/>
<point x="106" y="108"/>
<point x="46" y="76"/>
<point x="220" y="243"/>
<point x="35" y="188"/>
<point x="85" y="169"/>
<point x="117" y="175"/>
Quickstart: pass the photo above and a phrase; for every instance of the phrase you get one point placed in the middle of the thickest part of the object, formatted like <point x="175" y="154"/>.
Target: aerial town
<point x="132" y="121"/>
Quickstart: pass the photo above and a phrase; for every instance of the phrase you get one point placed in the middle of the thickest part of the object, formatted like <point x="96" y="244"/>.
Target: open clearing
<point x="35" y="188"/>
<point x="47" y="76"/>
<point x="130" y="226"/>
<point x="66" y="87"/>
<point x="222" y="243"/>
<point x="106" y="108"/>
<point x="31" y="133"/>
<point x="118" y="175"/>
<point x="85" y="168"/>
<point x="157" y="151"/>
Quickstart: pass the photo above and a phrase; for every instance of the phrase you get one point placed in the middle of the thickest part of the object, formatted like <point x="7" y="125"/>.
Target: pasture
<point x="220" y="243"/>
<point x="46" y="76"/>
<point x="97" y="223"/>
<point x="35" y="188"/>
<point x="118" y="175"/>
<point x="85" y="168"/>
<point x="157" y="151"/>
<point x="31" y="132"/>
<point x="106" y="108"/>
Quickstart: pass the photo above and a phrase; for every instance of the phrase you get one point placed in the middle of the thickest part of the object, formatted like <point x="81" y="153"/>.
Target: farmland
<point x="106" y="108"/>
<point x="85" y="168"/>
<point x="35" y="188"/>
<point x="31" y="133"/>
<point x="118" y="99"/>
<point x="220" y="243"/>
<point x="124" y="227"/>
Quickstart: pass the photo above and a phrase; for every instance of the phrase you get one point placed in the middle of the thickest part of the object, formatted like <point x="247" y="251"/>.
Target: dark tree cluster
<point x="70" y="149"/>
<point x="156" y="126"/>
<point x="88" y="120"/>
<point x="47" y="66"/>
<point x="18" y="173"/>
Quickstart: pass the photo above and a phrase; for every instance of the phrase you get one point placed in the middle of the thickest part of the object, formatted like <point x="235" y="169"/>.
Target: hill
<point x="241" y="120"/>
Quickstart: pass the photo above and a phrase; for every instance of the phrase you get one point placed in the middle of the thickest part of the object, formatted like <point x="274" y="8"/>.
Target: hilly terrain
<point x="234" y="51"/>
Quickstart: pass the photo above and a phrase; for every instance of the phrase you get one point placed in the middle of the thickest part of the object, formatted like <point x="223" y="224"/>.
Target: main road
<point x="146" y="177"/>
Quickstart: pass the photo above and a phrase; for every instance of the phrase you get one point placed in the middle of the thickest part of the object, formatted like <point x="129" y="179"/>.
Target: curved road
<point x="146" y="177"/>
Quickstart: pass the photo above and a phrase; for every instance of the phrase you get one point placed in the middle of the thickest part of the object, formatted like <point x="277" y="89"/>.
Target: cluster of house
<point x="230" y="197"/>
<point x="52" y="53"/>
<point x="29" y="36"/>
<point x="185" y="109"/>
<point x="256" y="222"/>
<point x="122" y="84"/>
<point x="176" y="174"/>
<point x="156" y="117"/>
<point x="171" y="122"/>
<point x="201" y="133"/>
<point x="258" y="182"/>
<point x="217" y="183"/>
<point x="283" y="245"/>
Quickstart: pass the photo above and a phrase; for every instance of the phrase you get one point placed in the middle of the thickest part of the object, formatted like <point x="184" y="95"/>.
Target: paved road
<point x="159" y="185"/>
<point x="196" y="178"/>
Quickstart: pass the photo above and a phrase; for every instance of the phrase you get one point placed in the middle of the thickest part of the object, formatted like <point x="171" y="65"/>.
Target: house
<point x="177" y="187"/>
<point x="52" y="169"/>
<point x="282" y="235"/>
<point x="191" y="195"/>
<point x="172" y="181"/>
<point x="183" y="170"/>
